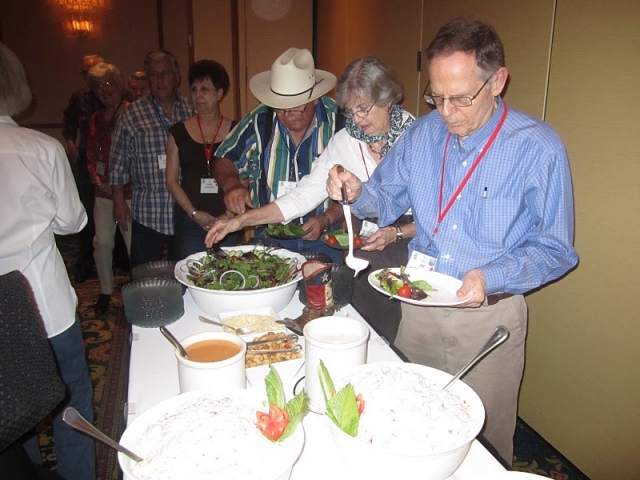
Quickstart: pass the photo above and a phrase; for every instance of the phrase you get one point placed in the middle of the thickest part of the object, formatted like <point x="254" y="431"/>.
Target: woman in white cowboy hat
<point x="369" y="94"/>
<point x="274" y="146"/>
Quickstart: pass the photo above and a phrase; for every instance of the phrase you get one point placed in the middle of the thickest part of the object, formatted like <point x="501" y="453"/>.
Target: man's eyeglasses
<point x="362" y="113"/>
<point x="456" y="100"/>
<point x="292" y="111"/>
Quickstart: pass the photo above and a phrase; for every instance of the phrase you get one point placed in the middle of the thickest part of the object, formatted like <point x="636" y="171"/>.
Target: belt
<point x="496" y="297"/>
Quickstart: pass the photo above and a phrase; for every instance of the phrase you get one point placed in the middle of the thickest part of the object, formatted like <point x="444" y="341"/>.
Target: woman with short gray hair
<point x="369" y="95"/>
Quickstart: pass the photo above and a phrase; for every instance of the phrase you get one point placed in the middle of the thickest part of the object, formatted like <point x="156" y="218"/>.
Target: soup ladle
<point x="174" y="341"/>
<point x="72" y="417"/>
<point x="498" y="336"/>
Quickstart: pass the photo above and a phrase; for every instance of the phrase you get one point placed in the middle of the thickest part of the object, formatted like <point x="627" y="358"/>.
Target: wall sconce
<point x="80" y="18"/>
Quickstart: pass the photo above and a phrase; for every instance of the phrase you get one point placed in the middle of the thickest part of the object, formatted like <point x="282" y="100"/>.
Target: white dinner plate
<point x="445" y="285"/>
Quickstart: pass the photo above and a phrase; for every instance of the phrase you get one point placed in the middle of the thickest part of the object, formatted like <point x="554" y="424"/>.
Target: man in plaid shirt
<point x="138" y="153"/>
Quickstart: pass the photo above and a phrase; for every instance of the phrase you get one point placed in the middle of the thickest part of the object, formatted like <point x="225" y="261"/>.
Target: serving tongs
<point x="216" y="251"/>
<point x="296" y="349"/>
<point x="289" y="338"/>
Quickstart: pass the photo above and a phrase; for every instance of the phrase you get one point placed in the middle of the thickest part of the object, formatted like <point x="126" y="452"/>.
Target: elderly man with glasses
<point x="491" y="195"/>
<point x="275" y="144"/>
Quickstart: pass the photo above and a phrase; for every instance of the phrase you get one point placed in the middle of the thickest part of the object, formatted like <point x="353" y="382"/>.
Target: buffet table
<point x="153" y="377"/>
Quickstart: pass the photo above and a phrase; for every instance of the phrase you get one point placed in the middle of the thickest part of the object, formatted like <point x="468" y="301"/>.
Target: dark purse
<point x="30" y="387"/>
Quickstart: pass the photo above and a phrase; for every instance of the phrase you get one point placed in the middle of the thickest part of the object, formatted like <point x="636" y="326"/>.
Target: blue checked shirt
<point x="139" y="137"/>
<point x="243" y="146"/>
<point x="519" y="233"/>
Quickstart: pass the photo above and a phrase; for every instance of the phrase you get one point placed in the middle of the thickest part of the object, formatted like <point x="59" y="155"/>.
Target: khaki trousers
<point x="104" y="241"/>
<point x="447" y="338"/>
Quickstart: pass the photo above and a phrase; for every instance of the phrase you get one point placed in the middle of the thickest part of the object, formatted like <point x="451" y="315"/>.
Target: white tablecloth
<point x="153" y="377"/>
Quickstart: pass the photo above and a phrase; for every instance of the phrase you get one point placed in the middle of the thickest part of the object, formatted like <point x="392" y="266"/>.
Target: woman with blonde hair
<point x="107" y="83"/>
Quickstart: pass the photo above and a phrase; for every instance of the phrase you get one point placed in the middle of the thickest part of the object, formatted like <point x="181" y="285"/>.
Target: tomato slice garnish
<point x="272" y="424"/>
<point x="360" y="403"/>
<point x="404" y="291"/>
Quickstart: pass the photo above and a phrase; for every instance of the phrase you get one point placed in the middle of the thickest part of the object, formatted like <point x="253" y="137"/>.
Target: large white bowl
<point x="374" y="462"/>
<point x="270" y="461"/>
<point x="216" y="301"/>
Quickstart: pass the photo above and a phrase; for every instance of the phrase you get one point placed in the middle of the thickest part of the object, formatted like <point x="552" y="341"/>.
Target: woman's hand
<point x="379" y="240"/>
<point x="105" y="187"/>
<point x="204" y="219"/>
<point x="336" y="180"/>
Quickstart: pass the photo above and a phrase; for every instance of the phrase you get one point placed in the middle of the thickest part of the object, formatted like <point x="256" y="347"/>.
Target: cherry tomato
<point x="357" y="242"/>
<point x="360" y="403"/>
<point x="332" y="240"/>
<point x="272" y="424"/>
<point x="404" y="291"/>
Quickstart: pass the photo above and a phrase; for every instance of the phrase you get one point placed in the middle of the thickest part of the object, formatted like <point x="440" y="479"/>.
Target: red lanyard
<point x="364" y="161"/>
<point x="443" y="213"/>
<point x="208" y="150"/>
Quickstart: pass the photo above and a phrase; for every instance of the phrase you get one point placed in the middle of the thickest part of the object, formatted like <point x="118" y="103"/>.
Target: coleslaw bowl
<point x="207" y="435"/>
<point x="213" y="302"/>
<point x="397" y="440"/>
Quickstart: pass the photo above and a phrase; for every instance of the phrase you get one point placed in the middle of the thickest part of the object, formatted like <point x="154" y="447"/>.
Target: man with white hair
<point x="275" y="144"/>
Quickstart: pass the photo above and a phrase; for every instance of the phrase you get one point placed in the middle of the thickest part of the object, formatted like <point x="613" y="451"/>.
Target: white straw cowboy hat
<point x="292" y="81"/>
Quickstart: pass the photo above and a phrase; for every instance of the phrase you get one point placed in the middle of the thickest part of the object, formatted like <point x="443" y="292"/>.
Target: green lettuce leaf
<point x="344" y="408"/>
<point x="422" y="285"/>
<point x="275" y="390"/>
<point x="296" y="408"/>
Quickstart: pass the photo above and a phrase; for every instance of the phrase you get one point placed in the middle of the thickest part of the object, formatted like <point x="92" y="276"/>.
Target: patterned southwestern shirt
<point x="139" y="138"/>
<point x="514" y="219"/>
<point x="282" y="160"/>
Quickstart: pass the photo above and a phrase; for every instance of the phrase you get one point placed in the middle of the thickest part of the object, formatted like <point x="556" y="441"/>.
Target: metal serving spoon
<point x="237" y="331"/>
<point x="499" y="335"/>
<point x="174" y="341"/>
<point x="71" y="417"/>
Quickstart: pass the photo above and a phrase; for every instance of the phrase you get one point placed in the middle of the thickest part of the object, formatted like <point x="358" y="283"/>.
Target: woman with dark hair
<point x="107" y="83"/>
<point x="189" y="174"/>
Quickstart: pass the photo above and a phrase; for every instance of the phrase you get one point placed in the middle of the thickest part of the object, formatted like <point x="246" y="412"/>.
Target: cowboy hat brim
<point x="260" y="86"/>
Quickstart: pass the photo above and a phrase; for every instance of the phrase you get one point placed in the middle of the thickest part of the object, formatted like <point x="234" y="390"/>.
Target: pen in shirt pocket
<point x="484" y="193"/>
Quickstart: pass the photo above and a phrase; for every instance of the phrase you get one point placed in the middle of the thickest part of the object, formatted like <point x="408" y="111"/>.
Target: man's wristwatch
<point x="399" y="235"/>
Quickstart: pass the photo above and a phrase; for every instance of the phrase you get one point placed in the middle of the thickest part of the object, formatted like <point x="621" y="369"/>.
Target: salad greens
<point x="289" y="230"/>
<point x="392" y="282"/>
<point x="296" y="408"/>
<point x="238" y="270"/>
<point x="342" y="407"/>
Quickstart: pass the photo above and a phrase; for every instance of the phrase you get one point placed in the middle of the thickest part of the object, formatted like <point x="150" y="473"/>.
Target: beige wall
<point x="581" y="388"/>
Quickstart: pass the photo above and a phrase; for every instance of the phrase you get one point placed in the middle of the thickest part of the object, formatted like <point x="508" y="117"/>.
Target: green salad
<point x="289" y="230"/>
<point x="400" y="285"/>
<point x="238" y="270"/>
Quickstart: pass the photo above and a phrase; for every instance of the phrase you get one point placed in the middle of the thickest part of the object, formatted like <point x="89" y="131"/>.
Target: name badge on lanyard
<point x="208" y="185"/>
<point x="285" y="187"/>
<point x="368" y="228"/>
<point x="422" y="261"/>
<point x="100" y="167"/>
<point x="162" y="162"/>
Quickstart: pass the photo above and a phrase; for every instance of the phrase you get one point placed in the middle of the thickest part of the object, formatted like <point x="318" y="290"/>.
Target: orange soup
<point x="212" y="350"/>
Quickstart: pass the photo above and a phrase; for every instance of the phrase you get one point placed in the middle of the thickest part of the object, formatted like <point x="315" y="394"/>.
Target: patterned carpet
<point x="107" y="343"/>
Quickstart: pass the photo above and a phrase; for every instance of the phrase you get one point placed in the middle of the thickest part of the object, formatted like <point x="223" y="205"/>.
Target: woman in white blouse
<point x="369" y="95"/>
